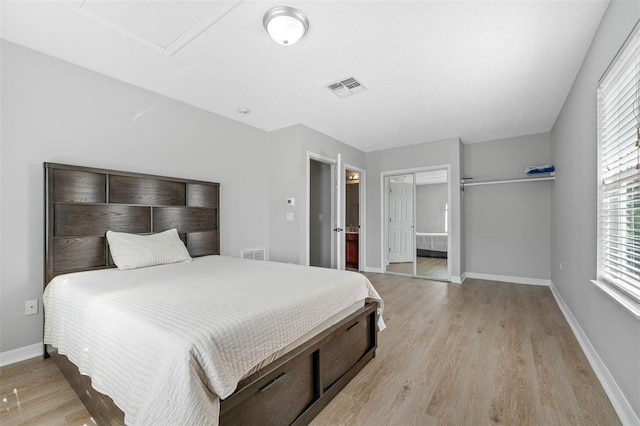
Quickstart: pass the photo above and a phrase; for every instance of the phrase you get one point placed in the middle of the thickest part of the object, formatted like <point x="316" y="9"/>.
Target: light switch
<point x="289" y="217"/>
<point x="291" y="202"/>
<point x="319" y="217"/>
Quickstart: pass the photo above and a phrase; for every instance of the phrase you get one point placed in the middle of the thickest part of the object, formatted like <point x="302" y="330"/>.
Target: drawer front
<point x="280" y="399"/>
<point x="339" y="354"/>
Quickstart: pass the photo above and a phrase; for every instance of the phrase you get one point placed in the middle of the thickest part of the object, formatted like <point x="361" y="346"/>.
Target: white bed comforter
<point x="159" y="340"/>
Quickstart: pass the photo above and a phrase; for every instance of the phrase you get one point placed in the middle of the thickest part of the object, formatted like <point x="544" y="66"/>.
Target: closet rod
<point x="465" y="182"/>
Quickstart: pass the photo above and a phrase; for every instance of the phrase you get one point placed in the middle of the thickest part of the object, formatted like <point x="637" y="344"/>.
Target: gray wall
<point x="54" y="111"/>
<point x="57" y="112"/>
<point x="288" y="178"/>
<point x="426" y="154"/>
<point x="431" y="201"/>
<point x="508" y="226"/>
<point x="613" y="332"/>
<point x="320" y="204"/>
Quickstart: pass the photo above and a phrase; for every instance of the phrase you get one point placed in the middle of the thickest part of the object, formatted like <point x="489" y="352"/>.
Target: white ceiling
<point x="478" y="70"/>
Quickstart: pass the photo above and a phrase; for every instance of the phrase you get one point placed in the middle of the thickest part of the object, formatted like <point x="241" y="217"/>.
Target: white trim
<point x="374" y="270"/>
<point x="449" y="225"/>
<point x="611" y="388"/>
<point x="458" y="280"/>
<point x="508" y="279"/>
<point x="338" y="259"/>
<point x="383" y="226"/>
<point x="21" y="354"/>
<point x="622" y="299"/>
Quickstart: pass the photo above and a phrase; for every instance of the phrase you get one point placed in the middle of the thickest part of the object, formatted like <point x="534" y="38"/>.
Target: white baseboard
<point x="458" y="280"/>
<point x="616" y="396"/>
<point x="21" y="354"/>
<point x="372" y="269"/>
<point x="508" y="279"/>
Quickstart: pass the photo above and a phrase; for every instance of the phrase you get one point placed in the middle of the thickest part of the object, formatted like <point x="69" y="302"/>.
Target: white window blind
<point x="619" y="170"/>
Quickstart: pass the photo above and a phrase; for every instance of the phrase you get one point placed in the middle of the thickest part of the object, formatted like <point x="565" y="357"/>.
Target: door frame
<point x="335" y="205"/>
<point x="383" y="212"/>
<point x="362" y="199"/>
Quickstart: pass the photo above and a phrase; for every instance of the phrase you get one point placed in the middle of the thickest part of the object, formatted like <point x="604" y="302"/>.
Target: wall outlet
<point x="289" y="217"/>
<point x="560" y="266"/>
<point x="31" y="307"/>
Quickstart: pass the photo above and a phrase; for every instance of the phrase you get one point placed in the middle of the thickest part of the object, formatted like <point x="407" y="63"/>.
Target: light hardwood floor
<point x="426" y="267"/>
<point x="34" y="392"/>
<point x="472" y="354"/>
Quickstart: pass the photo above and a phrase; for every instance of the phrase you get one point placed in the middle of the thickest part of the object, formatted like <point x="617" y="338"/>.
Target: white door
<point x="338" y="214"/>
<point x="401" y="236"/>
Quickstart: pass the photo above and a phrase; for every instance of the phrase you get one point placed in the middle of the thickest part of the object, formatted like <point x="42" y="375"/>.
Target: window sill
<point x="622" y="299"/>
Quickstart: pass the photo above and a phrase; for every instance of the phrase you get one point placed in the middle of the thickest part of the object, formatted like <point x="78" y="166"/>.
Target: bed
<point x="283" y="369"/>
<point x="432" y="244"/>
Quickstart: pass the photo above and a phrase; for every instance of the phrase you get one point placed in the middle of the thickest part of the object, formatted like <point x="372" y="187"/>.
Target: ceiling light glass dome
<point x="286" y="25"/>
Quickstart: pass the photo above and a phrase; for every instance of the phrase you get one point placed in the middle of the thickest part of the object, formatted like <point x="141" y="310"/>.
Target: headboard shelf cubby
<point x="82" y="203"/>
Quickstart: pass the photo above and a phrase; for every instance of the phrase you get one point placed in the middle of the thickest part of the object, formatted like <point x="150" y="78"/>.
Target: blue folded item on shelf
<point x="534" y="170"/>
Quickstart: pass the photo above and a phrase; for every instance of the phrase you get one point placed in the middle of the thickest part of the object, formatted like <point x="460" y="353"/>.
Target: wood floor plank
<point x="34" y="392"/>
<point x="473" y="354"/>
<point x="426" y="267"/>
<point x="480" y="353"/>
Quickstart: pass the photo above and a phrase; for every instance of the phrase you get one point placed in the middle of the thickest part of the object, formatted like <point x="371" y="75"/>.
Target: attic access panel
<point x="166" y="26"/>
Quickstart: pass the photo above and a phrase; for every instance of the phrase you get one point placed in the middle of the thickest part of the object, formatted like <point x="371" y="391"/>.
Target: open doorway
<point x="321" y="235"/>
<point x="352" y="195"/>
<point x="325" y="211"/>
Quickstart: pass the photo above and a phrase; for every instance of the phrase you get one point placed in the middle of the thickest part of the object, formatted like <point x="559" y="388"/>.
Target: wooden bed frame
<point x="82" y="203"/>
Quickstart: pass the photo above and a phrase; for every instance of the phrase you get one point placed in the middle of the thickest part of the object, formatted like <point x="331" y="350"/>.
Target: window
<point x="619" y="170"/>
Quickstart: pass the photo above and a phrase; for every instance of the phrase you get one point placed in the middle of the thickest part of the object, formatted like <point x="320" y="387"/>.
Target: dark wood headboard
<point x="82" y="203"/>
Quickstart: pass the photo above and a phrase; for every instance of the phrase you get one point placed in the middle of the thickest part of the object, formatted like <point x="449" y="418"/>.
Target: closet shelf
<point x="469" y="181"/>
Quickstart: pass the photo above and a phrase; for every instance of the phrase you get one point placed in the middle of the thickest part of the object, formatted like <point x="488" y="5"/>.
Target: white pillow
<point x="130" y="251"/>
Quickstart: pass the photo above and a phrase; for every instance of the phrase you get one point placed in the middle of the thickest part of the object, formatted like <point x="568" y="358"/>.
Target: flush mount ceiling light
<point x="286" y="25"/>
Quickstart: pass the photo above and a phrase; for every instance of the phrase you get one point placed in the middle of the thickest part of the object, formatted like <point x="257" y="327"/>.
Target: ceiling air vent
<point x="346" y="87"/>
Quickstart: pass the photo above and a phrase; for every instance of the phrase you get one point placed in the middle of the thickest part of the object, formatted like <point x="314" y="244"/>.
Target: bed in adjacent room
<point x="184" y="335"/>
<point x="432" y="244"/>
